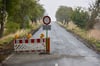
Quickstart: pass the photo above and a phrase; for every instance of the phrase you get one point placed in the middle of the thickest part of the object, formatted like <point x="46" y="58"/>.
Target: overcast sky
<point x="52" y="5"/>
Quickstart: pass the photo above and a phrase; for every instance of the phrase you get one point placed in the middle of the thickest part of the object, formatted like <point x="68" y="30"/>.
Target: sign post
<point x="46" y="21"/>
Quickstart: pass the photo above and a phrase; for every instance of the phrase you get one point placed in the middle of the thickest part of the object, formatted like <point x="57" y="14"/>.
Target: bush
<point x="80" y="17"/>
<point x="11" y="27"/>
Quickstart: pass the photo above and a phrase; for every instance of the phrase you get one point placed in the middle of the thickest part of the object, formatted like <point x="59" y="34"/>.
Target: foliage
<point x="19" y="11"/>
<point x="80" y="17"/>
<point x="11" y="27"/>
<point x="94" y="11"/>
<point x="29" y="9"/>
<point x="63" y="13"/>
<point x="3" y="16"/>
<point x="37" y="13"/>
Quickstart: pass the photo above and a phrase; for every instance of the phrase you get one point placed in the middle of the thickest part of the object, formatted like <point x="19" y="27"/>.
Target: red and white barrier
<point x="30" y="45"/>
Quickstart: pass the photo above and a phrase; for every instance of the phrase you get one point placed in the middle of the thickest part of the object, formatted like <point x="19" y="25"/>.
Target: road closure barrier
<point x="32" y="45"/>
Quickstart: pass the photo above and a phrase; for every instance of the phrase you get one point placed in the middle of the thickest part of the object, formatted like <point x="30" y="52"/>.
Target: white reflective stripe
<point x="44" y="43"/>
<point x="22" y="47"/>
<point x="19" y="46"/>
<point x="41" y="40"/>
<point x="16" y="45"/>
<point x="29" y="41"/>
<point x="35" y="41"/>
<point x="29" y="45"/>
<point x="17" y="41"/>
<point x="23" y="41"/>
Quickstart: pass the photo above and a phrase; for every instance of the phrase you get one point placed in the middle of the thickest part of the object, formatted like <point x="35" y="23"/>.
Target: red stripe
<point x="15" y="41"/>
<point x="38" y="50"/>
<point x="20" y="51"/>
<point x="32" y="40"/>
<point x="27" y="51"/>
<point x="38" y="40"/>
<point x="33" y="51"/>
<point x="26" y="41"/>
<point x="20" y="41"/>
<point x="43" y="40"/>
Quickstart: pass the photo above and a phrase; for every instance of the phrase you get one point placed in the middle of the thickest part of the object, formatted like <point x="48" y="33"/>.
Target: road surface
<point x="66" y="50"/>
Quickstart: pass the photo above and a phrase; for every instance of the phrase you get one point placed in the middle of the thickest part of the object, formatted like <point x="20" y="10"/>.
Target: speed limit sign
<point x="46" y="20"/>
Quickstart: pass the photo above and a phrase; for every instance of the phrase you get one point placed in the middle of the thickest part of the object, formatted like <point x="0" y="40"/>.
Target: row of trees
<point x="80" y="17"/>
<point x="63" y="14"/>
<point x="17" y="13"/>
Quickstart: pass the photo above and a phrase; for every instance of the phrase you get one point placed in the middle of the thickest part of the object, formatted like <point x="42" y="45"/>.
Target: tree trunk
<point x="3" y="18"/>
<point x="1" y="29"/>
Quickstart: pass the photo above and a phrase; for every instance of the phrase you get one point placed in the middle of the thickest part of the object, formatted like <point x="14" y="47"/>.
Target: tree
<point x="37" y="13"/>
<point x="94" y="11"/>
<point x="80" y="17"/>
<point x="19" y="11"/>
<point x="28" y="9"/>
<point x="63" y="14"/>
<point x="3" y="15"/>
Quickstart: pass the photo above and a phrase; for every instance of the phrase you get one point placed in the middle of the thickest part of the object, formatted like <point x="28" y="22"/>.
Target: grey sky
<point x="52" y="5"/>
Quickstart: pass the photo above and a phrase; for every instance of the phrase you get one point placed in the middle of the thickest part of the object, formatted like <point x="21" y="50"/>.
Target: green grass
<point x="98" y="44"/>
<point x="6" y="41"/>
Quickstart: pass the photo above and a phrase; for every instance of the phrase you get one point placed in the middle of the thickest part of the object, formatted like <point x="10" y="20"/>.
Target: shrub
<point x="11" y="27"/>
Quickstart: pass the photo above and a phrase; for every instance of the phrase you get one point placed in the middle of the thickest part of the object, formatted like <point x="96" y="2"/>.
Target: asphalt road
<point x="66" y="50"/>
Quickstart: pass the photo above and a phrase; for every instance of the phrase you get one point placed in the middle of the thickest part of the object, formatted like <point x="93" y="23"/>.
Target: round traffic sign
<point x="46" y="20"/>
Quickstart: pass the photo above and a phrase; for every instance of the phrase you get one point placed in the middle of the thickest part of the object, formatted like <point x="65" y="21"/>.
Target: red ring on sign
<point x="44" y="20"/>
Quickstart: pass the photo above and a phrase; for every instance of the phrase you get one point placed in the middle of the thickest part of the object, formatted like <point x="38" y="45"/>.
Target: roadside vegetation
<point x="17" y="17"/>
<point x="81" y="21"/>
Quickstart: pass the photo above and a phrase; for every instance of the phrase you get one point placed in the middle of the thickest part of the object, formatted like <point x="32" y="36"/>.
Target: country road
<point x="66" y="50"/>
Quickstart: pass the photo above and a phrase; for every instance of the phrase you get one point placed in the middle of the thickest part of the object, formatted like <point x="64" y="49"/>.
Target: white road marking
<point x="56" y="64"/>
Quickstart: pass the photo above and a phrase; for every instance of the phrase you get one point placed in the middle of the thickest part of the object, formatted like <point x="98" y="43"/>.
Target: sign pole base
<point x="48" y="46"/>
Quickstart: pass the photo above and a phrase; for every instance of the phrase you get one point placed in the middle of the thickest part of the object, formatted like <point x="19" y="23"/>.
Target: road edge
<point x="84" y="41"/>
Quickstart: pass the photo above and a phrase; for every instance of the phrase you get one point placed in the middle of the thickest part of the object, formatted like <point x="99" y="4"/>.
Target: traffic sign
<point x="46" y="20"/>
<point x="46" y="27"/>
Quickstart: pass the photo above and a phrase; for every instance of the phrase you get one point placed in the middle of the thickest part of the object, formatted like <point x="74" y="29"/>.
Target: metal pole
<point x="46" y="41"/>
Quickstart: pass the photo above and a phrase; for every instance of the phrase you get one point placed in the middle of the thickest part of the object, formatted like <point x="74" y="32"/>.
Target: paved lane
<point x="62" y="42"/>
<point x="66" y="50"/>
